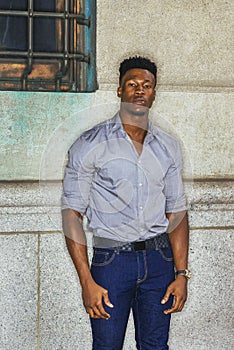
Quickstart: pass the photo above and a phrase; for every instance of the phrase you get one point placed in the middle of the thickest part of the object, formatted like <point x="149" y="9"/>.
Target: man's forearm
<point x="76" y="243"/>
<point x="179" y="237"/>
<point x="93" y="295"/>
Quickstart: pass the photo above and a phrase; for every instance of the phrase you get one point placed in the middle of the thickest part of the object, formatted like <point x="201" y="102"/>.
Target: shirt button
<point x="141" y="207"/>
<point x="140" y="184"/>
<point x="141" y="229"/>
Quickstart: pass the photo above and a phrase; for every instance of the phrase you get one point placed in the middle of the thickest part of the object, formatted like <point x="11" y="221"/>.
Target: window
<point x="47" y="45"/>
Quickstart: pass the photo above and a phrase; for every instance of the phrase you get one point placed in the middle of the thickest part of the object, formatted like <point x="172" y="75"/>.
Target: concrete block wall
<point x="40" y="302"/>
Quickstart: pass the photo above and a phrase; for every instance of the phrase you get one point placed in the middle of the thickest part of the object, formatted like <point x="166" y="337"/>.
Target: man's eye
<point x="131" y="84"/>
<point x="147" y="86"/>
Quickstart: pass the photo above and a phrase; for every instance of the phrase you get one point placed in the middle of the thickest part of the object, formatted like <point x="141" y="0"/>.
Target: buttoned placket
<point x="141" y="184"/>
<point x="140" y="195"/>
<point x="140" y="181"/>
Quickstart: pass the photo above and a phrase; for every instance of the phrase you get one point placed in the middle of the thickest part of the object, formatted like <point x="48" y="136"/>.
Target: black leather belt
<point x="154" y="243"/>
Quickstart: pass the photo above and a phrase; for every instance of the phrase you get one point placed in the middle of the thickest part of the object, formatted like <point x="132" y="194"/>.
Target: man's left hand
<point x="178" y="289"/>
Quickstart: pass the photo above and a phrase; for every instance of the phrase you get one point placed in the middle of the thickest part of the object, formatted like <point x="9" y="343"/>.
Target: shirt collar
<point x="115" y="123"/>
<point x="152" y="132"/>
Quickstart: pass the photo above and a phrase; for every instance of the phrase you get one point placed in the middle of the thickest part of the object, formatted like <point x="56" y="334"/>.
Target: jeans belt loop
<point x="156" y="243"/>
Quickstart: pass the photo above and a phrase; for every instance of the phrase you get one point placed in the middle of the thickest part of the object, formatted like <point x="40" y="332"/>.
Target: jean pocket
<point x="166" y="254"/>
<point x="102" y="257"/>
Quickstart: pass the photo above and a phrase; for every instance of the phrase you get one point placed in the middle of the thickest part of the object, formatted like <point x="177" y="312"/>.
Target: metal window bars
<point x="75" y="65"/>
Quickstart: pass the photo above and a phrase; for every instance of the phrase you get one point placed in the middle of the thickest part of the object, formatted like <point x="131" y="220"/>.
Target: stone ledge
<point x="33" y="207"/>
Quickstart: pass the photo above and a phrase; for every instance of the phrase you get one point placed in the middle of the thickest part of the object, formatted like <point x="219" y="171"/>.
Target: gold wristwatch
<point x="186" y="273"/>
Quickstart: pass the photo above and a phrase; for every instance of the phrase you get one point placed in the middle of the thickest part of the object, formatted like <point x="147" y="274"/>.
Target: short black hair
<point x="137" y="62"/>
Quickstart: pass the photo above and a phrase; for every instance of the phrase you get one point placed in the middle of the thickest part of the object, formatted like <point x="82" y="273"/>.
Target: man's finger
<point x="181" y="306"/>
<point x="107" y="300"/>
<point x="166" y="297"/>
<point x="100" y="312"/>
<point x="90" y="312"/>
<point x="171" y="310"/>
<point x="176" y="307"/>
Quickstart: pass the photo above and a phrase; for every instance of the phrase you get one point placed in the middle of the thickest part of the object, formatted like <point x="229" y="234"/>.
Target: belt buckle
<point x="140" y="245"/>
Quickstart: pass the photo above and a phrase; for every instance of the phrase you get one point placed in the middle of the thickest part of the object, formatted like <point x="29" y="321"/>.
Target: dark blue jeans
<point x="137" y="281"/>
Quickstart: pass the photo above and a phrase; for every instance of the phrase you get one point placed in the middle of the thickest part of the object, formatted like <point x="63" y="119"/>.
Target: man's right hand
<point x="93" y="296"/>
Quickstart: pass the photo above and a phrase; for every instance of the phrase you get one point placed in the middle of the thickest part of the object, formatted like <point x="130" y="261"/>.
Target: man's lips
<point x="139" y="101"/>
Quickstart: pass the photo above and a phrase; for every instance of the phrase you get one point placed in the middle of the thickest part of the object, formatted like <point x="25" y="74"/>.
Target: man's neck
<point x="135" y="126"/>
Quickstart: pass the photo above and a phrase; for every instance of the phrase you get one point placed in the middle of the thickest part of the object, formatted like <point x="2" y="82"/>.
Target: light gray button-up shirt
<point x="124" y="195"/>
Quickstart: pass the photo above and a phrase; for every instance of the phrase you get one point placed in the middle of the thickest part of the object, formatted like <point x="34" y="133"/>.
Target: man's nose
<point x="140" y="90"/>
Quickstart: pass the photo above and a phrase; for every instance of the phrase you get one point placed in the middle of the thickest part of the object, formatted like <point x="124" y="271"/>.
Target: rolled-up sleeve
<point x="78" y="177"/>
<point x="173" y="190"/>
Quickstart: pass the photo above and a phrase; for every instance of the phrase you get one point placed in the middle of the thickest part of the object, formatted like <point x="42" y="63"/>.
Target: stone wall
<point x="40" y="303"/>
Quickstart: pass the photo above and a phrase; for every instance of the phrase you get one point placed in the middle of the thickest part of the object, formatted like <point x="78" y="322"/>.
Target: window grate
<point x="70" y="67"/>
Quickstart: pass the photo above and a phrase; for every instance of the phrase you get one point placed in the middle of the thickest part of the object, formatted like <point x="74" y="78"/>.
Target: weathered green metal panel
<point x="90" y="46"/>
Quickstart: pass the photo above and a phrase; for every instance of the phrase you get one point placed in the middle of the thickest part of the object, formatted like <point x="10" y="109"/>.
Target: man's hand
<point x="178" y="289"/>
<point x="93" y="296"/>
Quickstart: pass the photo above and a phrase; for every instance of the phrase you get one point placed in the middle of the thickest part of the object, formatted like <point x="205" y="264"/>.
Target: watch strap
<point x="186" y="273"/>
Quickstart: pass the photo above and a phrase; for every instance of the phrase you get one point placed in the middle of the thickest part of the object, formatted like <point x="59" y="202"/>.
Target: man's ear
<point x="119" y="91"/>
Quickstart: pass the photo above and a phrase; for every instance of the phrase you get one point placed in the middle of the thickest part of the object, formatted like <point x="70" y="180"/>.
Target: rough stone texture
<point x="190" y="39"/>
<point x="207" y="320"/>
<point x="27" y="207"/>
<point x="64" y="322"/>
<point x="18" y="294"/>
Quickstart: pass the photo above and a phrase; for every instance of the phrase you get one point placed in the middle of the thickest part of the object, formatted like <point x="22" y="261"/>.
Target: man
<point x="124" y="175"/>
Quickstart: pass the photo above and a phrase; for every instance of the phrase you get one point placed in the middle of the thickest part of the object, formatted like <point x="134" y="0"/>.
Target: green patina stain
<point x="28" y="121"/>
